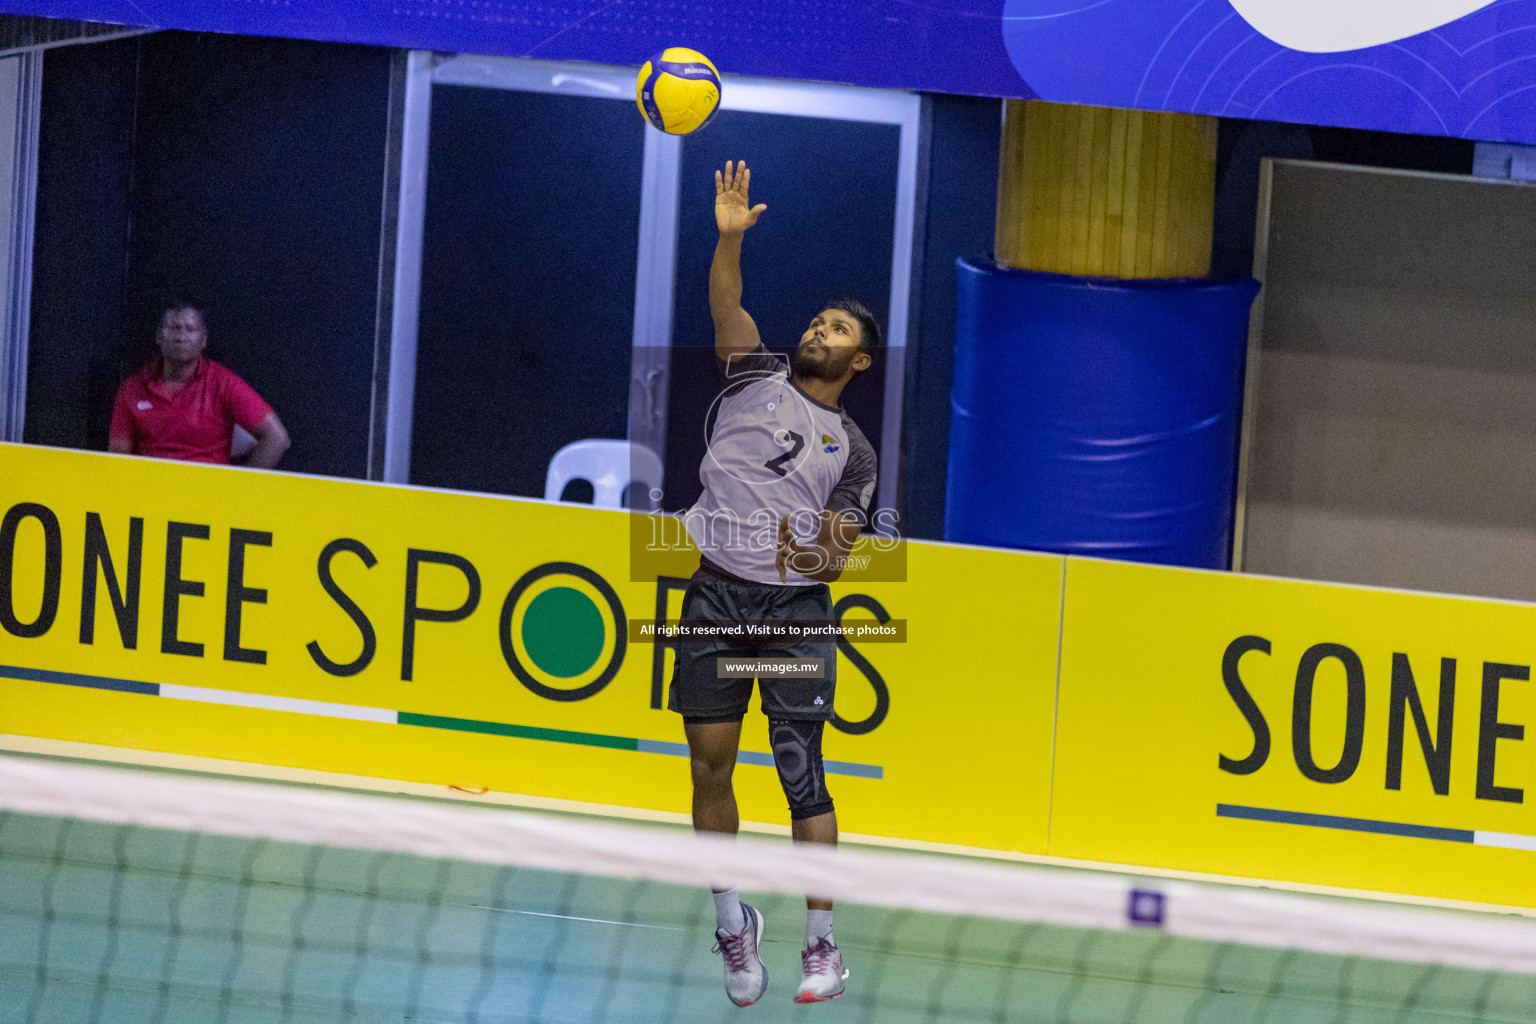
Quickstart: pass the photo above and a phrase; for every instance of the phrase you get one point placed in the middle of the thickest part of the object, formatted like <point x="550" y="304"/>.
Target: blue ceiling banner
<point x="931" y="46"/>
<point x="1462" y="68"/>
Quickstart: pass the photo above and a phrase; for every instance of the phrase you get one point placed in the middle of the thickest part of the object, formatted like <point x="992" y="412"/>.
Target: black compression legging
<point x="797" y="754"/>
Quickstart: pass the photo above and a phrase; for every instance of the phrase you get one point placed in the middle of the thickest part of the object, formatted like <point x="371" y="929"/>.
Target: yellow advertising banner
<point x="1209" y="722"/>
<point x="1305" y="732"/>
<point x="485" y="643"/>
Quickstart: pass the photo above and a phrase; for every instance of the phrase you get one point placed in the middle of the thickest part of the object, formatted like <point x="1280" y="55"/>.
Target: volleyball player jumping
<point x="787" y="480"/>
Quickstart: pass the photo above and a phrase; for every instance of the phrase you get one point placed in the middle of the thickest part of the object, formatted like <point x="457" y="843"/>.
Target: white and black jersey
<point x="774" y="451"/>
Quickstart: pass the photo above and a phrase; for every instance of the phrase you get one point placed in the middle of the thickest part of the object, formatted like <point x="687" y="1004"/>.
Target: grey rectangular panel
<point x="1393" y="425"/>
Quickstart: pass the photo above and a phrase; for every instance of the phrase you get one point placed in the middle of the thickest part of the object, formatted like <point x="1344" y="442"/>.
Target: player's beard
<point x="828" y="366"/>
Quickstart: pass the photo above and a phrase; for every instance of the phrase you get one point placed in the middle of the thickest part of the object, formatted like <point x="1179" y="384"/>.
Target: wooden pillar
<point x="1098" y="192"/>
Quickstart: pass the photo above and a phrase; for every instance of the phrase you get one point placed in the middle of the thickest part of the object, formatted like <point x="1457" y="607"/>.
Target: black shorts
<point x="698" y="692"/>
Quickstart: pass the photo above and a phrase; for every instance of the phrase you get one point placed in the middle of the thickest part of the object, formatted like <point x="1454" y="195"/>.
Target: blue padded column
<point x="1096" y="416"/>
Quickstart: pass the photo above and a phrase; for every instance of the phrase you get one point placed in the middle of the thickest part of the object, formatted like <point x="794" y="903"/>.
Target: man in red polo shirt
<point x="186" y="406"/>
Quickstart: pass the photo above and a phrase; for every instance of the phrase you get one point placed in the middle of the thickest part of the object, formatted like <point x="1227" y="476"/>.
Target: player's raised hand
<point x="733" y="213"/>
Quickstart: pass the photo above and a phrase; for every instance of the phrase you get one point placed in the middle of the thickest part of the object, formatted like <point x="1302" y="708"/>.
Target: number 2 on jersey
<point x="778" y="463"/>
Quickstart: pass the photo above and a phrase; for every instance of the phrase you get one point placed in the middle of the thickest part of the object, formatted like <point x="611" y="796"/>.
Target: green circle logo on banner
<point x="563" y="632"/>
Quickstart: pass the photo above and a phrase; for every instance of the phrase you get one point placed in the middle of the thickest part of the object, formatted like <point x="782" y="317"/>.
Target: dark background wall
<point x="247" y="171"/>
<point x="527" y="285"/>
<point x="251" y="171"/>
<point x="79" y="254"/>
<point x="961" y="186"/>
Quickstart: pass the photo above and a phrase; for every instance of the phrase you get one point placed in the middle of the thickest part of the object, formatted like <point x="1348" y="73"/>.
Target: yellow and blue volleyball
<point x="678" y="90"/>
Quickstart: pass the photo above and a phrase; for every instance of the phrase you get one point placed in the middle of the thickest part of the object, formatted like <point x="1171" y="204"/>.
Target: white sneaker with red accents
<point x="822" y="973"/>
<point x="746" y="979"/>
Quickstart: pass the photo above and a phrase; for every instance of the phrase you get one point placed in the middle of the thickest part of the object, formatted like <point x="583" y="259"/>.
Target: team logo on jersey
<point x="830" y="442"/>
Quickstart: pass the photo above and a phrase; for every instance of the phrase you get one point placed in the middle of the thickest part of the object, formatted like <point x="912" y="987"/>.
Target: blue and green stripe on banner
<point x="354" y="712"/>
<point x="1475" y="837"/>
<point x="358" y="713"/>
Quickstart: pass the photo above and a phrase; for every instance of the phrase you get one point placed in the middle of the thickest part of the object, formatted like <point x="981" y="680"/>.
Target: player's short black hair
<point x="175" y="302"/>
<point x="869" y="330"/>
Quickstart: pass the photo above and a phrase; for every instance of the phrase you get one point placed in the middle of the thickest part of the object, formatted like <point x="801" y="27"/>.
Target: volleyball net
<point x="132" y="895"/>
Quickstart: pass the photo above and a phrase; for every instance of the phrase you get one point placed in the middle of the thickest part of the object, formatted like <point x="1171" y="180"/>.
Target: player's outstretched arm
<point x="735" y="330"/>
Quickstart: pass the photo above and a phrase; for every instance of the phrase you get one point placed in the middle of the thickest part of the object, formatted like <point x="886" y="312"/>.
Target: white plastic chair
<point x="609" y="466"/>
<point x="240" y="443"/>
